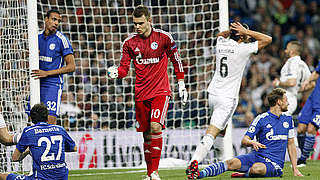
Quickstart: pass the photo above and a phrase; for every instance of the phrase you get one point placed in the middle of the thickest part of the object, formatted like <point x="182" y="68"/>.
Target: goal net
<point x="14" y="73"/>
<point x="98" y="112"/>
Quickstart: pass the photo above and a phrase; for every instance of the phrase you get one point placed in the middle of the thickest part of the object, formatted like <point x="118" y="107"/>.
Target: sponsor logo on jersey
<point x="269" y="126"/>
<point x="272" y="137"/>
<point x="154" y="45"/>
<point x="173" y="47"/>
<point x="148" y="61"/>
<point x="52" y="46"/>
<point x="45" y="58"/>
<point x="285" y="124"/>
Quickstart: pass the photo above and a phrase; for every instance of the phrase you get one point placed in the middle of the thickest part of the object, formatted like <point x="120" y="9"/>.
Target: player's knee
<point x="258" y="169"/>
<point x="233" y="164"/>
<point x="312" y="129"/>
<point x="3" y="176"/>
<point x="302" y="128"/>
<point x="156" y="127"/>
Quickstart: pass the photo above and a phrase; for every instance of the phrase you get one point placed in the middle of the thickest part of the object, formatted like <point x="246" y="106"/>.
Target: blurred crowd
<point x="96" y="29"/>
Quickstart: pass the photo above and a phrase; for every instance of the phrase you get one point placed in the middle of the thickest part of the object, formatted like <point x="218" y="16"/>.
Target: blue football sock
<point x="308" y="146"/>
<point x="301" y="138"/>
<point x="214" y="169"/>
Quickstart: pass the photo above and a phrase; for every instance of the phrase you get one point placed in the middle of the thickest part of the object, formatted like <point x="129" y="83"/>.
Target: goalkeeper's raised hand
<point x="183" y="92"/>
<point x="113" y="72"/>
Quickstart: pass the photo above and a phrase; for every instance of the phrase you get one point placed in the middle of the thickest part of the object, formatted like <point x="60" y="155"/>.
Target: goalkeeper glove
<point x="183" y="92"/>
<point x="113" y="72"/>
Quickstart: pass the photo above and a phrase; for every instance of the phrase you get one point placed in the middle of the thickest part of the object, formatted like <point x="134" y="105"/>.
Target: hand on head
<point x="239" y="28"/>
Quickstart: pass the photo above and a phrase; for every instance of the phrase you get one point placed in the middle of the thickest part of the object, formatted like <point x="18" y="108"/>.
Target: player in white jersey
<point x="232" y="54"/>
<point x="294" y="72"/>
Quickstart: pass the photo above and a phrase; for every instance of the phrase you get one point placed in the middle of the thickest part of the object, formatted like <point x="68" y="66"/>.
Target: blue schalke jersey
<point x="48" y="144"/>
<point x="316" y="91"/>
<point x="272" y="131"/>
<point x="52" y="49"/>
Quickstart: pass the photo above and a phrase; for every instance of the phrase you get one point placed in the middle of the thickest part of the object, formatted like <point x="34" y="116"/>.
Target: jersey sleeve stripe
<point x="164" y="32"/>
<point x="63" y="39"/>
<point x="132" y="35"/>
<point x="178" y="59"/>
<point x="257" y="119"/>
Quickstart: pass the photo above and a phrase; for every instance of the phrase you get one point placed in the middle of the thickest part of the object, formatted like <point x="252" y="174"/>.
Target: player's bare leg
<point x="52" y="119"/>
<point x="3" y="176"/>
<point x="258" y="170"/>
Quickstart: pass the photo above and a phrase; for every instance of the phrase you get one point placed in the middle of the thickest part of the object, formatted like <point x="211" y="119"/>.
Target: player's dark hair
<point x="140" y="11"/>
<point x="52" y="11"/>
<point x="233" y="33"/>
<point x="296" y="45"/>
<point x="39" y="113"/>
<point x="275" y="95"/>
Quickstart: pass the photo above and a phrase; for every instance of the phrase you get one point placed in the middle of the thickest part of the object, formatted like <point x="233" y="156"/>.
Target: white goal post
<point x="99" y="112"/>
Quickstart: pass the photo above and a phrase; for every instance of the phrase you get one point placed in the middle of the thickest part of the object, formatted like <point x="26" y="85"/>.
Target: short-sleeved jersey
<point x="294" y="68"/>
<point x="52" y="50"/>
<point x="150" y="58"/>
<point x="231" y="59"/>
<point x="272" y="131"/>
<point x="48" y="144"/>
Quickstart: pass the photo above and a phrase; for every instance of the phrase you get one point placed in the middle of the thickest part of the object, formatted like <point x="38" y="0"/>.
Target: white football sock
<point x="203" y="148"/>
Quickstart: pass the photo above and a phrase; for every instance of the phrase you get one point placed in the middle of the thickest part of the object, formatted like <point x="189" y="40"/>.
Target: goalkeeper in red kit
<point x="150" y="49"/>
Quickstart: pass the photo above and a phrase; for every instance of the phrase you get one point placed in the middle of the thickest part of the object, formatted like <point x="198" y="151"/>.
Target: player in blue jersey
<point x="274" y="132"/>
<point x="47" y="145"/>
<point x="309" y="117"/>
<point x="54" y="50"/>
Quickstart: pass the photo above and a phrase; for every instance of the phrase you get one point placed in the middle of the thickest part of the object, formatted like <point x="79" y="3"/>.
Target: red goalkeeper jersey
<point x="150" y="58"/>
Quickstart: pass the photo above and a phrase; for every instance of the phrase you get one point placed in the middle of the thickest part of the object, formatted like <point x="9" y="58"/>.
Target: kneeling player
<point x="47" y="144"/>
<point x="274" y="132"/>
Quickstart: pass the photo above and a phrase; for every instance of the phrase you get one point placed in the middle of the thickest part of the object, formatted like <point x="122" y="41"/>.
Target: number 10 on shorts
<point x="155" y="113"/>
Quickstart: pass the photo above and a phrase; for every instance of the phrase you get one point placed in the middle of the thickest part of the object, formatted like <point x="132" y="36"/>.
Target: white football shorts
<point x="223" y="109"/>
<point x="292" y="100"/>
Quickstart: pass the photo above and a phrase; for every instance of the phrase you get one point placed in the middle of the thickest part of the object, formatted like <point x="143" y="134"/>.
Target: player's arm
<point x="309" y="83"/>
<point x="69" y="67"/>
<point x="263" y="39"/>
<point x="172" y="53"/>
<point x="122" y="70"/>
<point x="18" y="156"/>
<point x="247" y="141"/>
<point x="293" y="156"/>
<point x="224" y="34"/>
<point x="291" y="82"/>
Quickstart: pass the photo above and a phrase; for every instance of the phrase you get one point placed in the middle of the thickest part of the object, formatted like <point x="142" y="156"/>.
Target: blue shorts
<point x="247" y="160"/>
<point x="50" y="95"/>
<point x="310" y="112"/>
<point x="19" y="177"/>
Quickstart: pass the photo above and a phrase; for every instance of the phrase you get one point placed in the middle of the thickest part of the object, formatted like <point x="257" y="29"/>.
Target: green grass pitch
<point x="312" y="172"/>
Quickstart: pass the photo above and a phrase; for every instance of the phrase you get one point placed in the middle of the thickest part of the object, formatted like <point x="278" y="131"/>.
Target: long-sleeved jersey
<point x="150" y="58"/>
